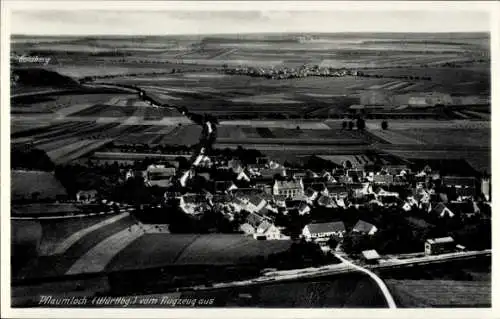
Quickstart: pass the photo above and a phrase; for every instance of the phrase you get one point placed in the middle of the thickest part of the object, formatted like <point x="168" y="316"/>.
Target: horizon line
<point x="252" y="33"/>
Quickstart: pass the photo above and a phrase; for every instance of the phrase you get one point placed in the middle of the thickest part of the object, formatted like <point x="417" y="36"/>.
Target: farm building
<point x="370" y="256"/>
<point x="288" y="188"/>
<point x="268" y="231"/>
<point x="437" y="246"/>
<point x="364" y="228"/>
<point x="36" y="185"/>
<point x="86" y="196"/>
<point x="159" y="175"/>
<point x="323" y="231"/>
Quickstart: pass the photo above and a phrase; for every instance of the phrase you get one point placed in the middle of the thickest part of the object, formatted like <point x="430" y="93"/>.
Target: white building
<point x="289" y="189"/>
<point x="323" y="231"/>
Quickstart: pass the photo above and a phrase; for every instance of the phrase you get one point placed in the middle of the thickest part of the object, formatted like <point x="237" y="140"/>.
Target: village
<point x="350" y="208"/>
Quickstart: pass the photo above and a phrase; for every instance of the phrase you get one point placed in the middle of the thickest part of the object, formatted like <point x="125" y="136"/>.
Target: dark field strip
<point x="41" y="130"/>
<point x="160" y="249"/>
<point x="71" y="130"/>
<point x="79" y="152"/>
<point x="123" y="130"/>
<point x="57" y="265"/>
<point x="265" y="132"/>
<point x="107" y="111"/>
<point x="292" y="141"/>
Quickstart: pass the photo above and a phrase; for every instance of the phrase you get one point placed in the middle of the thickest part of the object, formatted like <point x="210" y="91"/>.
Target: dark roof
<point x="246" y="192"/>
<point x="264" y="226"/>
<point x="254" y="219"/>
<point x="280" y="197"/>
<point x="270" y="172"/>
<point x="293" y="203"/>
<point x="459" y="180"/>
<point x="318" y="187"/>
<point x="336" y="188"/>
<point x="390" y="199"/>
<point x="461" y="208"/>
<point x="326" y="227"/>
<point x="309" y="192"/>
<point x="355" y="172"/>
<point x="418" y="222"/>
<point x="326" y="201"/>
<point x="194" y="198"/>
<point x="438" y="208"/>
<point x="255" y="199"/>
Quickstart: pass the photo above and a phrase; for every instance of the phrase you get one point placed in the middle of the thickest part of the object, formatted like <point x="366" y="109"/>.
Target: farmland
<point x="26" y="184"/>
<point x="441" y="293"/>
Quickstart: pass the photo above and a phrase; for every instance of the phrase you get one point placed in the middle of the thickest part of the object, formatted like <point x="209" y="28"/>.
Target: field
<point x="25" y="184"/>
<point x="441" y="293"/>
<point x="181" y="249"/>
<point x="121" y="248"/>
<point x="473" y="137"/>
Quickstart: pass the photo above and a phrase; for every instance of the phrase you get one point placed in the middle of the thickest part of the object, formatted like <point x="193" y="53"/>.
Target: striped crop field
<point x="394" y="137"/>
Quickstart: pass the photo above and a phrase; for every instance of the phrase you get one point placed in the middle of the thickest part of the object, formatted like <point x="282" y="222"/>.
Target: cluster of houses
<point x="264" y="191"/>
<point x="290" y="73"/>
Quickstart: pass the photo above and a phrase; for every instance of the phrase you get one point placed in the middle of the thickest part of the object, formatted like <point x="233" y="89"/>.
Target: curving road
<point x="380" y="282"/>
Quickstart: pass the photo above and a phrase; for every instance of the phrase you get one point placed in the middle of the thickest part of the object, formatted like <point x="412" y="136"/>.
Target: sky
<point x="106" y="22"/>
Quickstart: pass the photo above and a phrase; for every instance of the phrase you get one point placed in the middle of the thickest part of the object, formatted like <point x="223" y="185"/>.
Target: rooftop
<point x="370" y="254"/>
<point x="316" y="228"/>
<point x="363" y="226"/>
<point x="442" y="240"/>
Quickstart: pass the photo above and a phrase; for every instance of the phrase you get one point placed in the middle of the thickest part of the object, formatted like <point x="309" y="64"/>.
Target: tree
<point x="385" y="125"/>
<point x="360" y="124"/>
<point x="347" y="164"/>
<point x="332" y="243"/>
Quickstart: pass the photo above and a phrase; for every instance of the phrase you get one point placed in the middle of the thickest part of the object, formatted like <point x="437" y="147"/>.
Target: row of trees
<point x="360" y="124"/>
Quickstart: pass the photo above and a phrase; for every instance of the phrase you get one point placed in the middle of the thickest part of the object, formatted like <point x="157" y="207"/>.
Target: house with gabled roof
<point x="243" y="175"/>
<point x="256" y="203"/>
<point x="327" y="201"/>
<point x="269" y="173"/>
<point x="320" y="188"/>
<point x="193" y="204"/>
<point x="363" y="227"/>
<point x="337" y="191"/>
<point x="441" y="210"/>
<point x="323" y="231"/>
<point x="311" y="195"/>
<point x="268" y="231"/>
<point x="360" y="190"/>
<point x="247" y="229"/>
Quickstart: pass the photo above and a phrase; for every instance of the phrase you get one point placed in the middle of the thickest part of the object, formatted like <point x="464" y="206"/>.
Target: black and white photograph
<point x="233" y="155"/>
